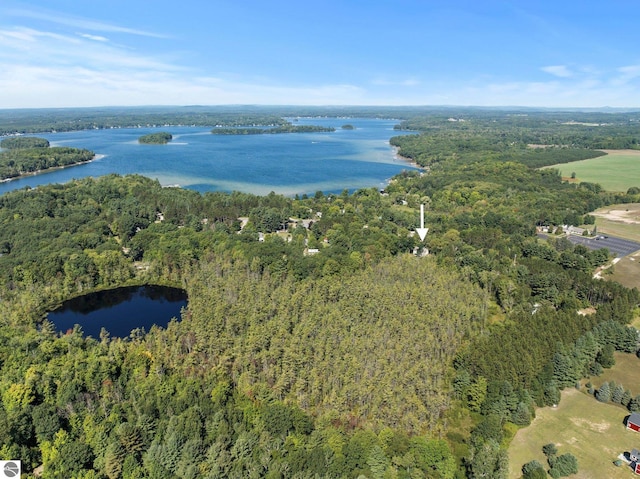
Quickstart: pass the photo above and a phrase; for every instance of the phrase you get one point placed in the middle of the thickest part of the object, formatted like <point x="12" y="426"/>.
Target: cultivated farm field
<point x="618" y="170"/>
<point x="592" y="431"/>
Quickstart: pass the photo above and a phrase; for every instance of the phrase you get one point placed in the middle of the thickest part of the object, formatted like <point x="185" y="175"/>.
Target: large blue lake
<point x="288" y="164"/>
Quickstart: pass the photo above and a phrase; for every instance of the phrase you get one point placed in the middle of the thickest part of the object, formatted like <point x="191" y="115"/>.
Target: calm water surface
<point x="120" y="310"/>
<point x="284" y="163"/>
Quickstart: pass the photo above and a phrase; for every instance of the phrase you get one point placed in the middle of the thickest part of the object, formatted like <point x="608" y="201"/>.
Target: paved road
<point x="618" y="246"/>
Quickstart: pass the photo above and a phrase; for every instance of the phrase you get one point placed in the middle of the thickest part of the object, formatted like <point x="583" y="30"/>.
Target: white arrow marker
<point x="422" y="231"/>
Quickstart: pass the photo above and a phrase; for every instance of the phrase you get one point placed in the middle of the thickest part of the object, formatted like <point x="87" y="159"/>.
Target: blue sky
<point x="560" y="53"/>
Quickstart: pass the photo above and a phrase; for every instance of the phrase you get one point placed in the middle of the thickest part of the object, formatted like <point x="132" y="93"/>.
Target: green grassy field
<point x="592" y="431"/>
<point x="617" y="171"/>
<point x="627" y="273"/>
<point x="625" y="372"/>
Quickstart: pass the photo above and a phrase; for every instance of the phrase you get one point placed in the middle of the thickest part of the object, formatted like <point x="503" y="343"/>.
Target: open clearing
<point x="618" y="170"/>
<point x="625" y="372"/>
<point x="622" y="221"/>
<point x="592" y="431"/>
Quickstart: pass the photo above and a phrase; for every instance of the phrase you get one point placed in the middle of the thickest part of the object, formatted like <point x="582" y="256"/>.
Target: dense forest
<point x="332" y="348"/>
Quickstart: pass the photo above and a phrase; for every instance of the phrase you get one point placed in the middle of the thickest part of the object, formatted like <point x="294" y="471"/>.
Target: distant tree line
<point x="272" y="131"/>
<point x="17" y="142"/>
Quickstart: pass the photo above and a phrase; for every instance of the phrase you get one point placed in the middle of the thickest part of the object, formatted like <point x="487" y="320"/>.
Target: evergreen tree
<point x="617" y="394"/>
<point x="522" y="415"/>
<point x="564" y="465"/>
<point x="551" y="394"/>
<point x="604" y="392"/>
<point x="476" y="393"/>
<point x="634" y="404"/>
<point x="533" y="470"/>
<point x="550" y="450"/>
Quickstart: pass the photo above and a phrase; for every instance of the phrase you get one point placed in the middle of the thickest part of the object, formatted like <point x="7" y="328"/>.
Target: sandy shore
<point x="34" y="173"/>
<point x="409" y="161"/>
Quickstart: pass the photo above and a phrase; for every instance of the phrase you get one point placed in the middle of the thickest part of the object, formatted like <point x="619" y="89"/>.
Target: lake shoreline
<point x="409" y="161"/>
<point x="53" y="168"/>
<point x="285" y="164"/>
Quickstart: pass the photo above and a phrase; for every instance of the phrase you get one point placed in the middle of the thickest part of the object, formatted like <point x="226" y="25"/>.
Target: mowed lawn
<point x="592" y="431"/>
<point x="627" y="273"/>
<point x="617" y="171"/>
<point x="625" y="372"/>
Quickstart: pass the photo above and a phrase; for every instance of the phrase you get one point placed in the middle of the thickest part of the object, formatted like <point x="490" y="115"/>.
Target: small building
<point x="574" y="230"/>
<point x="633" y="422"/>
<point x="634" y="456"/>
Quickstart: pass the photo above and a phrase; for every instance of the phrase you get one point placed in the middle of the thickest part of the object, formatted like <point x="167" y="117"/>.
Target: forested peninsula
<point x="26" y="155"/>
<point x="320" y="339"/>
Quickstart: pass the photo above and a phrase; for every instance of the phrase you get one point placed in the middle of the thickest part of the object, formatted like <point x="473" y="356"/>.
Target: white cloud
<point x="627" y="74"/>
<point x="27" y="46"/>
<point x="408" y="82"/>
<point x="589" y="92"/>
<point x="63" y="86"/>
<point x="96" y="38"/>
<point x="561" y="71"/>
<point x="43" y="68"/>
<point x="21" y="37"/>
<point x="120" y="77"/>
<point x="77" y="22"/>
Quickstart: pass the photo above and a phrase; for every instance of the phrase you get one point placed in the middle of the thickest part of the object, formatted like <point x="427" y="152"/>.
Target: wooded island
<point x="160" y="138"/>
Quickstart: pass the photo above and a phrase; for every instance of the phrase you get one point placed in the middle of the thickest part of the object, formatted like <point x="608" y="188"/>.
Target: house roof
<point x="634" y="418"/>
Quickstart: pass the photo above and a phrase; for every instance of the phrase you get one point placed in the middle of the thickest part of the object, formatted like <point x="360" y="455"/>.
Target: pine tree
<point x="617" y="394"/>
<point x="634" y="404"/>
<point x="604" y="392"/>
<point x="522" y="415"/>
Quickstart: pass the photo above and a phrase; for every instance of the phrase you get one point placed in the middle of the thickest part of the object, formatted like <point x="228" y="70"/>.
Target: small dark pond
<point x="120" y="310"/>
